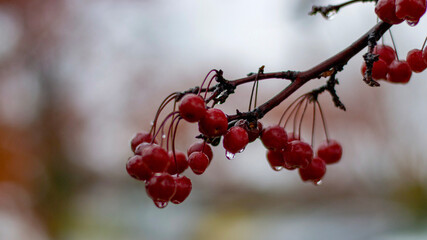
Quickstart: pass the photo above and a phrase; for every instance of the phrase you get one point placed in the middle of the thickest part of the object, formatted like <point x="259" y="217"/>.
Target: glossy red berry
<point x="137" y="169"/>
<point x="274" y="138"/>
<point x="140" y="138"/>
<point x="385" y="10"/>
<point x="399" y="72"/>
<point x="299" y="155"/>
<point x="410" y="10"/>
<point x="198" y="162"/>
<point x="183" y="189"/>
<point x="416" y="61"/>
<point x="181" y="162"/>
<point x="385" y="53"/>
<point x="235" y="139"/>
<point x="314" y="171"/>
<point x="330" y="151"/>
<point x="275" y="159"/>
<point x="214" y="123"/>
<point x="201" y="147"/>
<point x="161" y="187"/>
<point x="379" y="69"/>
<point x="156" y="158"/>
<point x="140" y="148"/>
<point x="192" y="107"/>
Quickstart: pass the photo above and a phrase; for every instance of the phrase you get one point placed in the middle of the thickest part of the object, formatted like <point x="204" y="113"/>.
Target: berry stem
<point x="313" y="125"/>
<point x="323" y="121"/>
<point x="287" y="109"/>
<point x="160" y="109"/>
<point x="394" y="44"/>
<point x="302" y="117"/>
<point x="424" y="44"/>
<point x="173" y="143"/>
<point x="204" y="80"/>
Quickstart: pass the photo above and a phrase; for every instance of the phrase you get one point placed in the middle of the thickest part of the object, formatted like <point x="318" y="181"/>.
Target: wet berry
<point x="235" y="139"/>
<point x="156" y="158"/>
<point x="416" y="61"/>
<point x="314" y="171"/>
<point x="140" y="138"/>
<point x="385" y="10"/>
<point x="183" y="189"/>
<point x="253" y="129"/>
<point x="200" y="147"/>
<point x="198" y="162"/>
<point x="161" y="187"/>
<point x="385" y="53"/>
<point x="330" y="151"/>
<point x="214" y="123"/>
<point x="274" y="138"/>
<point x="136" y="168"/>
<point x="275" y="159"/>
<point x="192" y="107"/>
<point x="399" y="72"/>
<point x="410" y="10"/>
<point x="181" y="162"/>
<point x="299" y="155"/>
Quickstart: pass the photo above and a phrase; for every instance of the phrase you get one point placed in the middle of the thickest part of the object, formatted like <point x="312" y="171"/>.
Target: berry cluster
<point x="289" y="151"/>
<point x="388" y="67"/>
<point x="160" y="165"/>
<point x="396" y="11"/>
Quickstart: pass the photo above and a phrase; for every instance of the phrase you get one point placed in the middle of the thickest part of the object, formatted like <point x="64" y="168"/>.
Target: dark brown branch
<point x="336" y="62"/>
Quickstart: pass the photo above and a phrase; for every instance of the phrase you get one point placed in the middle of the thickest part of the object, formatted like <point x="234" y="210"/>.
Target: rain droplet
<point x="151" y="123"/>
<point x="318" y="183"/>
<point x="277" y="168"/>
<point x="331" y="14"/>
<point x="164" y="136"/>
<point x="160" y="204"/>
<point x="229" y="155"/>
<point x="241" y="150"/>
<point x="412" y="23"/>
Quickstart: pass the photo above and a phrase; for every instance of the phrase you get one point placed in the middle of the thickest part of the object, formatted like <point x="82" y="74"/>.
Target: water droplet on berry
<point x="229" y="155"/>
<point x="331" y="14"/>
<point x="412" y="23"/>
<point x="160" y="204"/>
<point x="318" y="183"/>
<point x="277" y="168"/>
<point x="241" y="150"/>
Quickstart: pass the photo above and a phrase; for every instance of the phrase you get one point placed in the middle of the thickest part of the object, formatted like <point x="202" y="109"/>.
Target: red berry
<point x="192" y="107"/>
<point x="200" y="147"/>
<point x="330" y="152"/>
<point x="214" y="123"/>
<point x="235" y="139"/>
<point x="181" y="162"/>
<point x="274" y="138"/>
<point x="198" y="162"/>
<point x="410" y="10"/>
<point x="275" y="159"/>
<point x="183" y="189"/>
<point x="140" y="148"/>
<point x="314" y="171"/>
<point x="137" y="169"/>
<point x="385" y="53"/>
<point x="140" y="138"/>
<point x="416" y="61"/>
<point x="299" y="155"/>
<point x="425" y="55"/>
<point x="253" y="129"/>
<point x="385" y="10"/>
<point x="379" y="69"/>
<point x="399" y="72"/>
<point x="161" y="187"/>
<point x="156" y="158"/>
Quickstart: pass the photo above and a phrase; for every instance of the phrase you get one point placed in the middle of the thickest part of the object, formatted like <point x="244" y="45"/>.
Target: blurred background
<point x="79" y="78"/>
